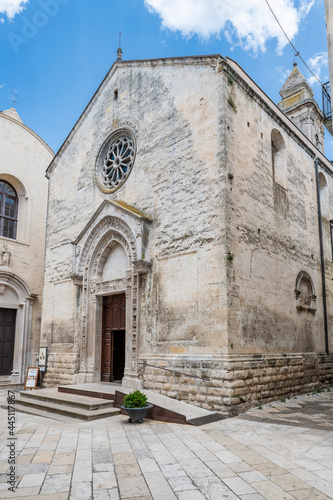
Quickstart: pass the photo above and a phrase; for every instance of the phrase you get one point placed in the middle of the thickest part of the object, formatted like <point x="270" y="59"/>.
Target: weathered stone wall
<point x="231" y="384"/>
<point x="276" y="348"/>
<point x="62" y="367"/>
<point x="176" y="113"/>
<point x="273" y="234"/>
<point x="227" y="241"/>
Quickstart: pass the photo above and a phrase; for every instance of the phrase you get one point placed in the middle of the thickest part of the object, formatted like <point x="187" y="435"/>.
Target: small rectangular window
<point x="116" y="94"/>
<point x="331" y="231"/>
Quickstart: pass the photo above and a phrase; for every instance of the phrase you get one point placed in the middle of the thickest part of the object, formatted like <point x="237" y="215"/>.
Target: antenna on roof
<point x="119" y="51"/>
<point x="14" y="95"/>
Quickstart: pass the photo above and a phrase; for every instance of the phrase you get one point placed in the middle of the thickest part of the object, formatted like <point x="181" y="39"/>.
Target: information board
<point x="31" y="378"/>
<point x="42" y="359"/>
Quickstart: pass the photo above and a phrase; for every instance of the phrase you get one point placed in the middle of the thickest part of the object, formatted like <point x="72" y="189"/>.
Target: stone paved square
<point x="275" y="453"/>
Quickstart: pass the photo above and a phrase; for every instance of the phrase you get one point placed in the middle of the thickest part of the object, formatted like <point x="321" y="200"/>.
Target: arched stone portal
<point x="112" y="227"/>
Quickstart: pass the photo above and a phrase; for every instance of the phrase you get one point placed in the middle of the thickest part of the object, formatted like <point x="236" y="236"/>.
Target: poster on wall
<point x="31" y="378"/>
<point x="42" y="359"/>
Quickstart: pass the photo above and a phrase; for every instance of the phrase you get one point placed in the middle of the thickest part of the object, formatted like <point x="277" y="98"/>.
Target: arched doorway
<point x="107" y="267"/>
<point x="15" y="327"/>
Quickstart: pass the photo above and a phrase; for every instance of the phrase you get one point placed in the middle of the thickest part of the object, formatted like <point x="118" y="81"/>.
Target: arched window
<point x="279" y="159"/>
<point x="305" y="293"/>
<point x="324" y="196"/>
<point x="8" y="210"/>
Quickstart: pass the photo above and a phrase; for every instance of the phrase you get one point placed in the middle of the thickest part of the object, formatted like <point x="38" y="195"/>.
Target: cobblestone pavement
<point x="282" y="451"/>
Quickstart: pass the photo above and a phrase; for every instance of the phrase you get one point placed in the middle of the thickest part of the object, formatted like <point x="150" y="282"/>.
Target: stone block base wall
<point x="61" y="369"/>
<point x="231" y="384"/>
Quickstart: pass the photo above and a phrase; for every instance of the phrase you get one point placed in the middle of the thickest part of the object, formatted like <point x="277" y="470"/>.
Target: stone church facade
<point x="23" y="205"/>
<point x="182" y="250"/>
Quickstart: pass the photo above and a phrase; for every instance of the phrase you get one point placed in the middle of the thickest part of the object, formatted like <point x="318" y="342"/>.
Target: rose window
<point x="118" y="162"/>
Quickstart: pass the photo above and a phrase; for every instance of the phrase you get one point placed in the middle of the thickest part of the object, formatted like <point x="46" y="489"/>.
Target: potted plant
<point x="136" y="406"/>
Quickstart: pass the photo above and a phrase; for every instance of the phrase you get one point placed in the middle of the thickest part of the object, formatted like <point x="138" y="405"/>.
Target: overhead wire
<point x="293" y="46"/>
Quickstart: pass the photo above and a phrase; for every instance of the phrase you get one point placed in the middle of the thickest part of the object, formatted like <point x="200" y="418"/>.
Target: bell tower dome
<point x="300" y="106"/>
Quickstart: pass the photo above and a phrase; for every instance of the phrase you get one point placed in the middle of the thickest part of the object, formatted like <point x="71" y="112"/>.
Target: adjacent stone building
<point x="183" y="250"/>
<point x="23" y="203"/>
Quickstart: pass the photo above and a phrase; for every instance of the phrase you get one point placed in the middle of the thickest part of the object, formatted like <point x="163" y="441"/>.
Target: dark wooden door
<point x="7" y="337"/>
<point x="113" y="342"/>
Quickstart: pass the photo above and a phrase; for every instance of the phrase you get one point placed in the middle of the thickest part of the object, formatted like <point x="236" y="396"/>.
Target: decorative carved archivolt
<point x="108" y="226"/>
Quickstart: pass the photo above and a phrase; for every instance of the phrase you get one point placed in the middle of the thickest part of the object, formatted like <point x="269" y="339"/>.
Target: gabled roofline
<point x="7" y="117"/>
<point x="117" y="204"/>
<point x="165" y="61"/>
<point x="280" y="116"/>
<point x="204" y="60"/>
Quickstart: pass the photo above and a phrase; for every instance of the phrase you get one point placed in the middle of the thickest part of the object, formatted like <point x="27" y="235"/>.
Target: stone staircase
<point x="53" y="404"/>
<point x="100" y="400"/>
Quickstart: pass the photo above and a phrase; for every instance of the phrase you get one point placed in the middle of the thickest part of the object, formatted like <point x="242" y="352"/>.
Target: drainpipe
<point x="322" y="258"/>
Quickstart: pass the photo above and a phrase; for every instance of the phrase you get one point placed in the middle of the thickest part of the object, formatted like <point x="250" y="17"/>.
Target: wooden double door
<point x="7" y="338"/>
<point x="113" y="338"/>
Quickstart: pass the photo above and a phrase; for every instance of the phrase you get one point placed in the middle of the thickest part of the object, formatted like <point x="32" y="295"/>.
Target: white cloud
<point x="283" y="73"/>
<point x="2" y="86"/>
<point x="248" y="23"/>
<point x="319" y="65"/>
<point x="12" y="7"/>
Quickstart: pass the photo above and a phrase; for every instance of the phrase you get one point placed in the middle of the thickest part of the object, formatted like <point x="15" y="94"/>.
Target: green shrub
<point x="135" y="399"/>
<point x="230" y="256"/>
<point x="232" y="103"/>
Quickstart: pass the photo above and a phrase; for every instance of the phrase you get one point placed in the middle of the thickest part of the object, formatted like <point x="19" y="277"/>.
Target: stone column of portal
<point x="329" y="31"/>
<point x="91" y="337"/>
<point x="82" y="376"/>
<point x="131" y="377"/>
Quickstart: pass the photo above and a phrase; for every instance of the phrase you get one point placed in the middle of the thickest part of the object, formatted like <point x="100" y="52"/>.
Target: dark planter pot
<point x="137" y="414"/>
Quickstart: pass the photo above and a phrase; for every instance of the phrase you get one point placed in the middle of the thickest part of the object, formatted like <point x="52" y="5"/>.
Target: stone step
<point x="10" y="386"/>
<point x="74" y="401"/>
<point x="42" y="413"/>
<point x="49" y="402"/>
<point x="37" y="407"/>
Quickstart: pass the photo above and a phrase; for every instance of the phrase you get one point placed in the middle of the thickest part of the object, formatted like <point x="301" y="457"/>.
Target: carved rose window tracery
<point x="115" y="160"/>
<point x="118" y="162"/>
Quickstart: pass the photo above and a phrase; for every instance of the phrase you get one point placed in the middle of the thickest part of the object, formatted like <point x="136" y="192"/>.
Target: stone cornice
<point x="305" y="104"/>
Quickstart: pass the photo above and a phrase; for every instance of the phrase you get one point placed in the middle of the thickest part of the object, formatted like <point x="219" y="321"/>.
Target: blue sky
<point x="55" y="53"/>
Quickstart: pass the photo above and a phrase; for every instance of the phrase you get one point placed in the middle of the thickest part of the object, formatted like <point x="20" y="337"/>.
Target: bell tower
<point x="300" y="106"/>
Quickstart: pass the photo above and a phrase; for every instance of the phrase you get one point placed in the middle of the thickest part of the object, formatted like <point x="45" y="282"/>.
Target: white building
<point x="24" y="157"/>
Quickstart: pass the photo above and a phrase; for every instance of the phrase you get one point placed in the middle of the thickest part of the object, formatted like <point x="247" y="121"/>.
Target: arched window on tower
<point x="279" y="160"/>
<point x="8" y="210"/>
